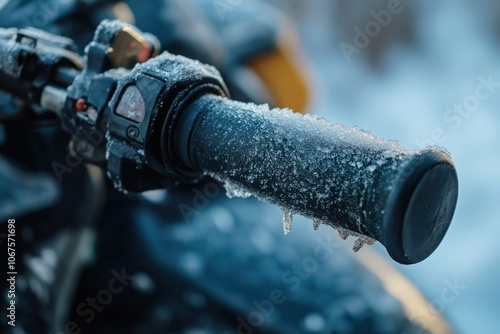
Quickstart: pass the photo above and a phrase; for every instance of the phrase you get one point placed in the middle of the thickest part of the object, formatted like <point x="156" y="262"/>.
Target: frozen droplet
<point x="343" y="233"/>
<point x="287" y="221"/>
<point x="316" y="224"/>
<point x="361" y="241"/>
<point x="358" y="244"/>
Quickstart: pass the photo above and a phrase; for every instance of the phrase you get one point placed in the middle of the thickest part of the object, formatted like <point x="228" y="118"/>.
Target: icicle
<point x="287" y="221"/>
<point x="361" y="241"/>
<point x="358" y="244"/>
<point x="343" y="233"/>
<point x="316" y="224"/>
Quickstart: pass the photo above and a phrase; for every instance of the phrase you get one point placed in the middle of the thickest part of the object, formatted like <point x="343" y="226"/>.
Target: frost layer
<point x="341" y="176"/>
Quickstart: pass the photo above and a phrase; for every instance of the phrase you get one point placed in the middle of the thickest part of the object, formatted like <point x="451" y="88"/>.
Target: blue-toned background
<point x="405" y="85"/>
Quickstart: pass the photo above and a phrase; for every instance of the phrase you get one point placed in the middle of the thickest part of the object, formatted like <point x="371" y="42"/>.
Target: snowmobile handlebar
<point x="156" y="121"/>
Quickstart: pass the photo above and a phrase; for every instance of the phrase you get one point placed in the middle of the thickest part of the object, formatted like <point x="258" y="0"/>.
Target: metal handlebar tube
<point x="345" y="177"/>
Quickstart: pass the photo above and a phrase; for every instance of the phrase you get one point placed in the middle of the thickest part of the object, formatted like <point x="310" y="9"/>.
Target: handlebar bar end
<point x="421" y="207"/>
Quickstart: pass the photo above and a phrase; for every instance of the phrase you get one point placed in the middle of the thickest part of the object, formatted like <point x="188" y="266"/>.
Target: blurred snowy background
<point x="408" y="84"/>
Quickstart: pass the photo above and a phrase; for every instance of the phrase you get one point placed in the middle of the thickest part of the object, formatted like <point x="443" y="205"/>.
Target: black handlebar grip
<point x="342" y="176"/>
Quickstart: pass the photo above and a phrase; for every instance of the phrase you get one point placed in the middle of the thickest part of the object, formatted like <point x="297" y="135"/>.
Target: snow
<point x="9" y="52"/>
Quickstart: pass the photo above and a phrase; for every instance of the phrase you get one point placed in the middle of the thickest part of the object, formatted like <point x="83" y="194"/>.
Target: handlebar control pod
<point x="345" y="177"/>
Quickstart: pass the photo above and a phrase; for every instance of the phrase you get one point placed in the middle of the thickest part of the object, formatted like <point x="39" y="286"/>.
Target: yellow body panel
<point x="282" y="73"/>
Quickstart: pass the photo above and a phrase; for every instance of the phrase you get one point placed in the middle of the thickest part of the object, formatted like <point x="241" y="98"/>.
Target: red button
<point x="81" y="105"/>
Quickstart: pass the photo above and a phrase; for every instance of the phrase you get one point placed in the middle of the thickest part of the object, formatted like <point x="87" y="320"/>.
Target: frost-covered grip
<point x="344" y="177"/>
